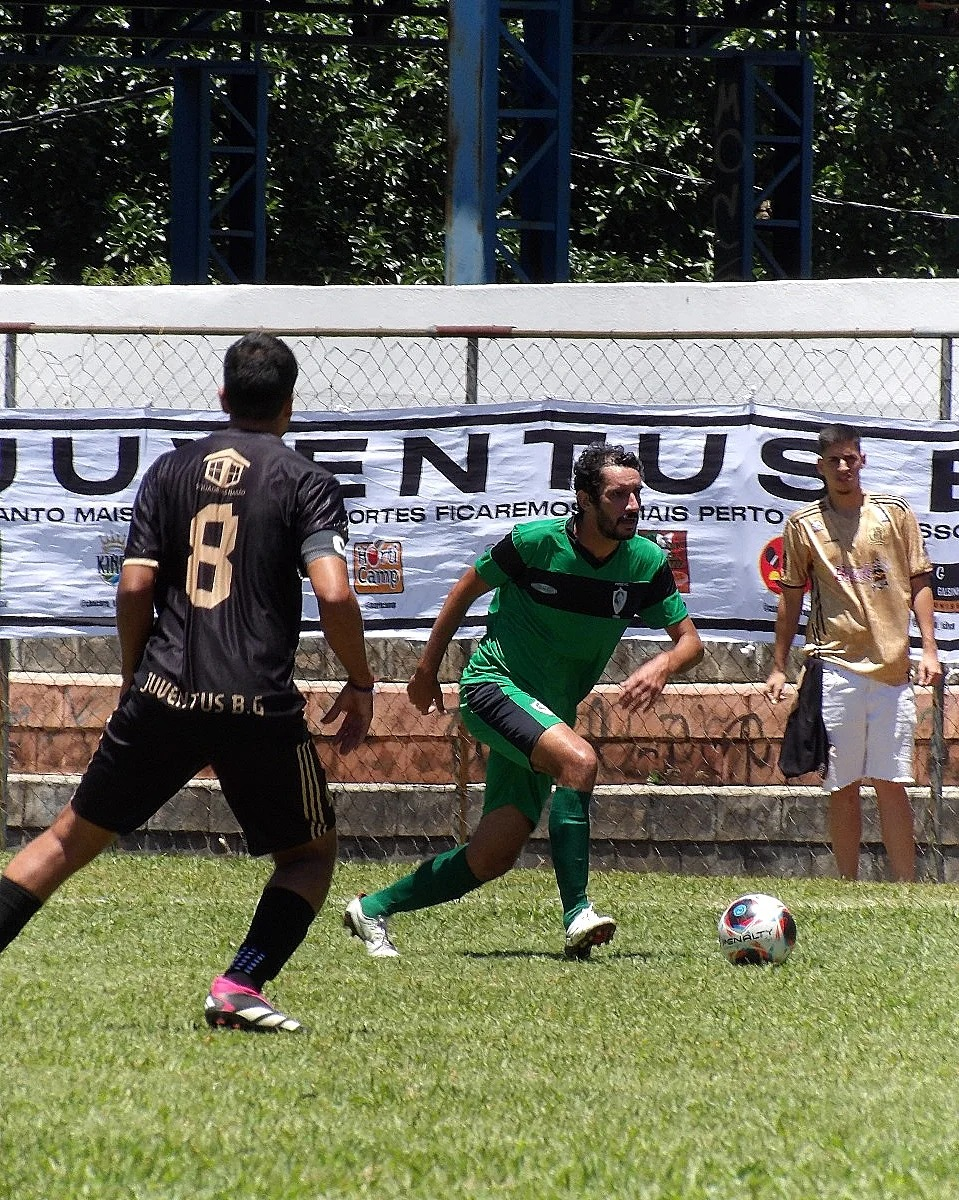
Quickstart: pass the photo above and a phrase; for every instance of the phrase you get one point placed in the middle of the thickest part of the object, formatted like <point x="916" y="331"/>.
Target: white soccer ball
<point x="757" y="928"/>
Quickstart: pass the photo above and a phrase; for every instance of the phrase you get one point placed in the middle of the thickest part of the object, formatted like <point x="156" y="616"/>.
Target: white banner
<point x="427" y="490"/>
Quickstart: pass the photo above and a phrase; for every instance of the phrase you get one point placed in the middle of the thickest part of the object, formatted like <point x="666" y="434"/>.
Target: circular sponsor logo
<point x="771" y="565"/>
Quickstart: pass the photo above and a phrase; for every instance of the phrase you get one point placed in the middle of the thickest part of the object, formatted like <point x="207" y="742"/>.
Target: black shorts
<point x="268" y="769"/>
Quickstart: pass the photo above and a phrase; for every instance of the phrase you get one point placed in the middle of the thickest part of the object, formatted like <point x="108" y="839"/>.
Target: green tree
<point x="357" y="167"/>
<point x="357" y="163"/>
<point x="887" y="160"/>
<point x="84" y="180"/>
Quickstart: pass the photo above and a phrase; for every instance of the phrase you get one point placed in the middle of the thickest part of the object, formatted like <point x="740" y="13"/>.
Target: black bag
<point x="805" y="747"/>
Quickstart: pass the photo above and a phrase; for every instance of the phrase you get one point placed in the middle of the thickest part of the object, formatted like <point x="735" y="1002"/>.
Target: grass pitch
<point x="481" y="1064"/>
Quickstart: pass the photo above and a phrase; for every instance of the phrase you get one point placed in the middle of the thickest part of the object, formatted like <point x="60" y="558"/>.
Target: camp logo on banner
<point x="378" y="568"/>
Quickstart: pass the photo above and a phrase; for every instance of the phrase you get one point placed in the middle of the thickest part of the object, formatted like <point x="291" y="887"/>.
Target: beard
<point x="620" y="530"/>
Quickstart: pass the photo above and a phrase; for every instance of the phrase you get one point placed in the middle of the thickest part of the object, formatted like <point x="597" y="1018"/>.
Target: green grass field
<point x="481" y="1064"/>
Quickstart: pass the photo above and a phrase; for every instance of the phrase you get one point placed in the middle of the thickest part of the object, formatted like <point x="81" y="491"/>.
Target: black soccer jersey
<point x="223" y="521"/>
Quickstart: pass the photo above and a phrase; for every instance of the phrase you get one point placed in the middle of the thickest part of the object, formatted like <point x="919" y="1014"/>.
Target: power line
<point x="685" y="177"/>
<point x="52" y="115"/>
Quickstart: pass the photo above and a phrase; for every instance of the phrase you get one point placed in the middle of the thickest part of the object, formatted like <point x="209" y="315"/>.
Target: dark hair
<point x="832" y="435"/>
<point x="588" y="468"/>
<point x="259" y="374"/>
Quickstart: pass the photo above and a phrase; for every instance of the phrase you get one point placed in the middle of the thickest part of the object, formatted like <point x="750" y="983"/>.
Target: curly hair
<point x="588" y="468"/>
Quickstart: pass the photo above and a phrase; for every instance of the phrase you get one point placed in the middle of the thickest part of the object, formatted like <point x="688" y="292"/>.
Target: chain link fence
<point x="693" y="787"/>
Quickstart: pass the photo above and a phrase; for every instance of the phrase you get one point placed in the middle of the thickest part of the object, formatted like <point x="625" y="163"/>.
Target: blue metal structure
<point x="510" y="121"/>
<point x="218" y="162"/>
<point x="511" y="72"/>
<point x="473" y="102"/>
<point x="762" y="207"/>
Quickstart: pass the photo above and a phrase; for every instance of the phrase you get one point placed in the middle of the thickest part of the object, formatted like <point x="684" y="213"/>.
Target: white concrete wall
<point x="792" y="307"/>
<point x="834" y="346"/>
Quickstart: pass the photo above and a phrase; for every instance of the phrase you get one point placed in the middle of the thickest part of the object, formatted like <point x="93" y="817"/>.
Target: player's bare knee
<point x="315" y="856"/>
<point x="579" y="768"/>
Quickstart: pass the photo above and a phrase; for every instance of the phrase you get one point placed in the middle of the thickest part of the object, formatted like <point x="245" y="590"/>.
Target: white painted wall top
<point x="854" y="307"/>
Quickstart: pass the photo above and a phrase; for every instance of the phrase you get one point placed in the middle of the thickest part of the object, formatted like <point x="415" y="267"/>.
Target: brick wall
<point x="723" y="734"/>
<point x="692" y="787"/>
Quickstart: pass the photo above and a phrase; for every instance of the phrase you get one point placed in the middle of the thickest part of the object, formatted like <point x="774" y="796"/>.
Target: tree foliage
<point x="357" y="166"/>
<point x="84" y="182"/>
<point x="887" y="160"/>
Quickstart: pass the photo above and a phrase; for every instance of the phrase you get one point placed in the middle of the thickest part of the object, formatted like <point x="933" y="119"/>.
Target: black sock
<point x="280" y="923"/>
<point x="17" y="906"/>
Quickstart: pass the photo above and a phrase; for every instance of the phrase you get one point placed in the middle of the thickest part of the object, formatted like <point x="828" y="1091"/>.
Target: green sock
<point x="445" y="877"/>
<point x="569" y="844"/>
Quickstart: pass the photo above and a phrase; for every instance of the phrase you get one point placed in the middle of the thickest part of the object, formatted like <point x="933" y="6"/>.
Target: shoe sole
<point x="602" y="935"/>
<point x="221" y="1020"/>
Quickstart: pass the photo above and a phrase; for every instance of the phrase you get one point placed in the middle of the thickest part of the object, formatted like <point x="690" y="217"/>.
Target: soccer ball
<point x="757" y="929"/>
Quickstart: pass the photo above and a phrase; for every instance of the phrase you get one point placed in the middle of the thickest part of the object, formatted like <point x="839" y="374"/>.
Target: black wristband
<point x="356" y="688"/>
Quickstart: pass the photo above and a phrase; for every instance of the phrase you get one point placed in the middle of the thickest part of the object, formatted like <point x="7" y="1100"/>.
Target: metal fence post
<point x="10" y="371"/>
<point x="461" y="747"/>
<point x="937" y="744"/>
<point x="9" y="401"/>
<point x="472" y="369"/>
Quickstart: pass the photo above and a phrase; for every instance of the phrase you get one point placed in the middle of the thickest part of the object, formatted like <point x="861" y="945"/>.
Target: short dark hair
<point x="259" y="374"/>
<point x="832" y="435"/>
<point x="588" y="468"/>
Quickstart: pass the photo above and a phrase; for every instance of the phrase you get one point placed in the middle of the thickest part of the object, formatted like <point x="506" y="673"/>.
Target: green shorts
<point x="510" y="722"/>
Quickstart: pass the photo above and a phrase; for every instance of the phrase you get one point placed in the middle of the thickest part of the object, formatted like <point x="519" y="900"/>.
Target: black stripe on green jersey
<point x="580" y="593"/>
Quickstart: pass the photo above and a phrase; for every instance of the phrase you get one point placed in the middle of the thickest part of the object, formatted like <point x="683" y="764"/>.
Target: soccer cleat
<point x="588" y="929"/>
<point x="232" y="1006"/>
<point x="370" y="930"/>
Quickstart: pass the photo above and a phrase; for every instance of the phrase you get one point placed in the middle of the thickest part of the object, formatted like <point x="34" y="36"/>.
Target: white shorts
<point x="871" y="727"/>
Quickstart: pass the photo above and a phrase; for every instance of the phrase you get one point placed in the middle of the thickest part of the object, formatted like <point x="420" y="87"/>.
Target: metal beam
<point x="471" y="202"/>
<point x="535" y="120"/>
<point x="510" y="119"/>
<point x="64" y="33"/>
<point x="762" y="209"/>
<point x="218" y="226"/>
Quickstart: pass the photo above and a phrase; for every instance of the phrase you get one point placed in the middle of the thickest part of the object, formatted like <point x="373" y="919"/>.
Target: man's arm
<point x="787" y="626"/>
<point x="134" y="616"/>
<point x="643" y="687"/>
<point x="343" y="630"/>
<point x="929" y="672"/>
<point x="424" y="688"/>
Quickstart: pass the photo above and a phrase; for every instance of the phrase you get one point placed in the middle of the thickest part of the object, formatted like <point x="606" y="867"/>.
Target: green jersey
<point x="558" y="613"/>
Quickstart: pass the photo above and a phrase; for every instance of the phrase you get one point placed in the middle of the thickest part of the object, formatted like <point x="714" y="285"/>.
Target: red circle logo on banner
<point x="771" y="565"/>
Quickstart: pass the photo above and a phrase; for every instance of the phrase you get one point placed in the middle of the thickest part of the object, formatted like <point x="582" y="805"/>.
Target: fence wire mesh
<point x="692" y="787"/>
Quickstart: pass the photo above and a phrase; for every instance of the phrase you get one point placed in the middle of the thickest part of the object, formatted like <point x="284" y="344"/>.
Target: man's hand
<point x="356" y="708"/>
<point x="645" y="685"/>
<point x="424" y="691"/>
<point x="773" y="687"/>
<point x="929" y="671"/>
